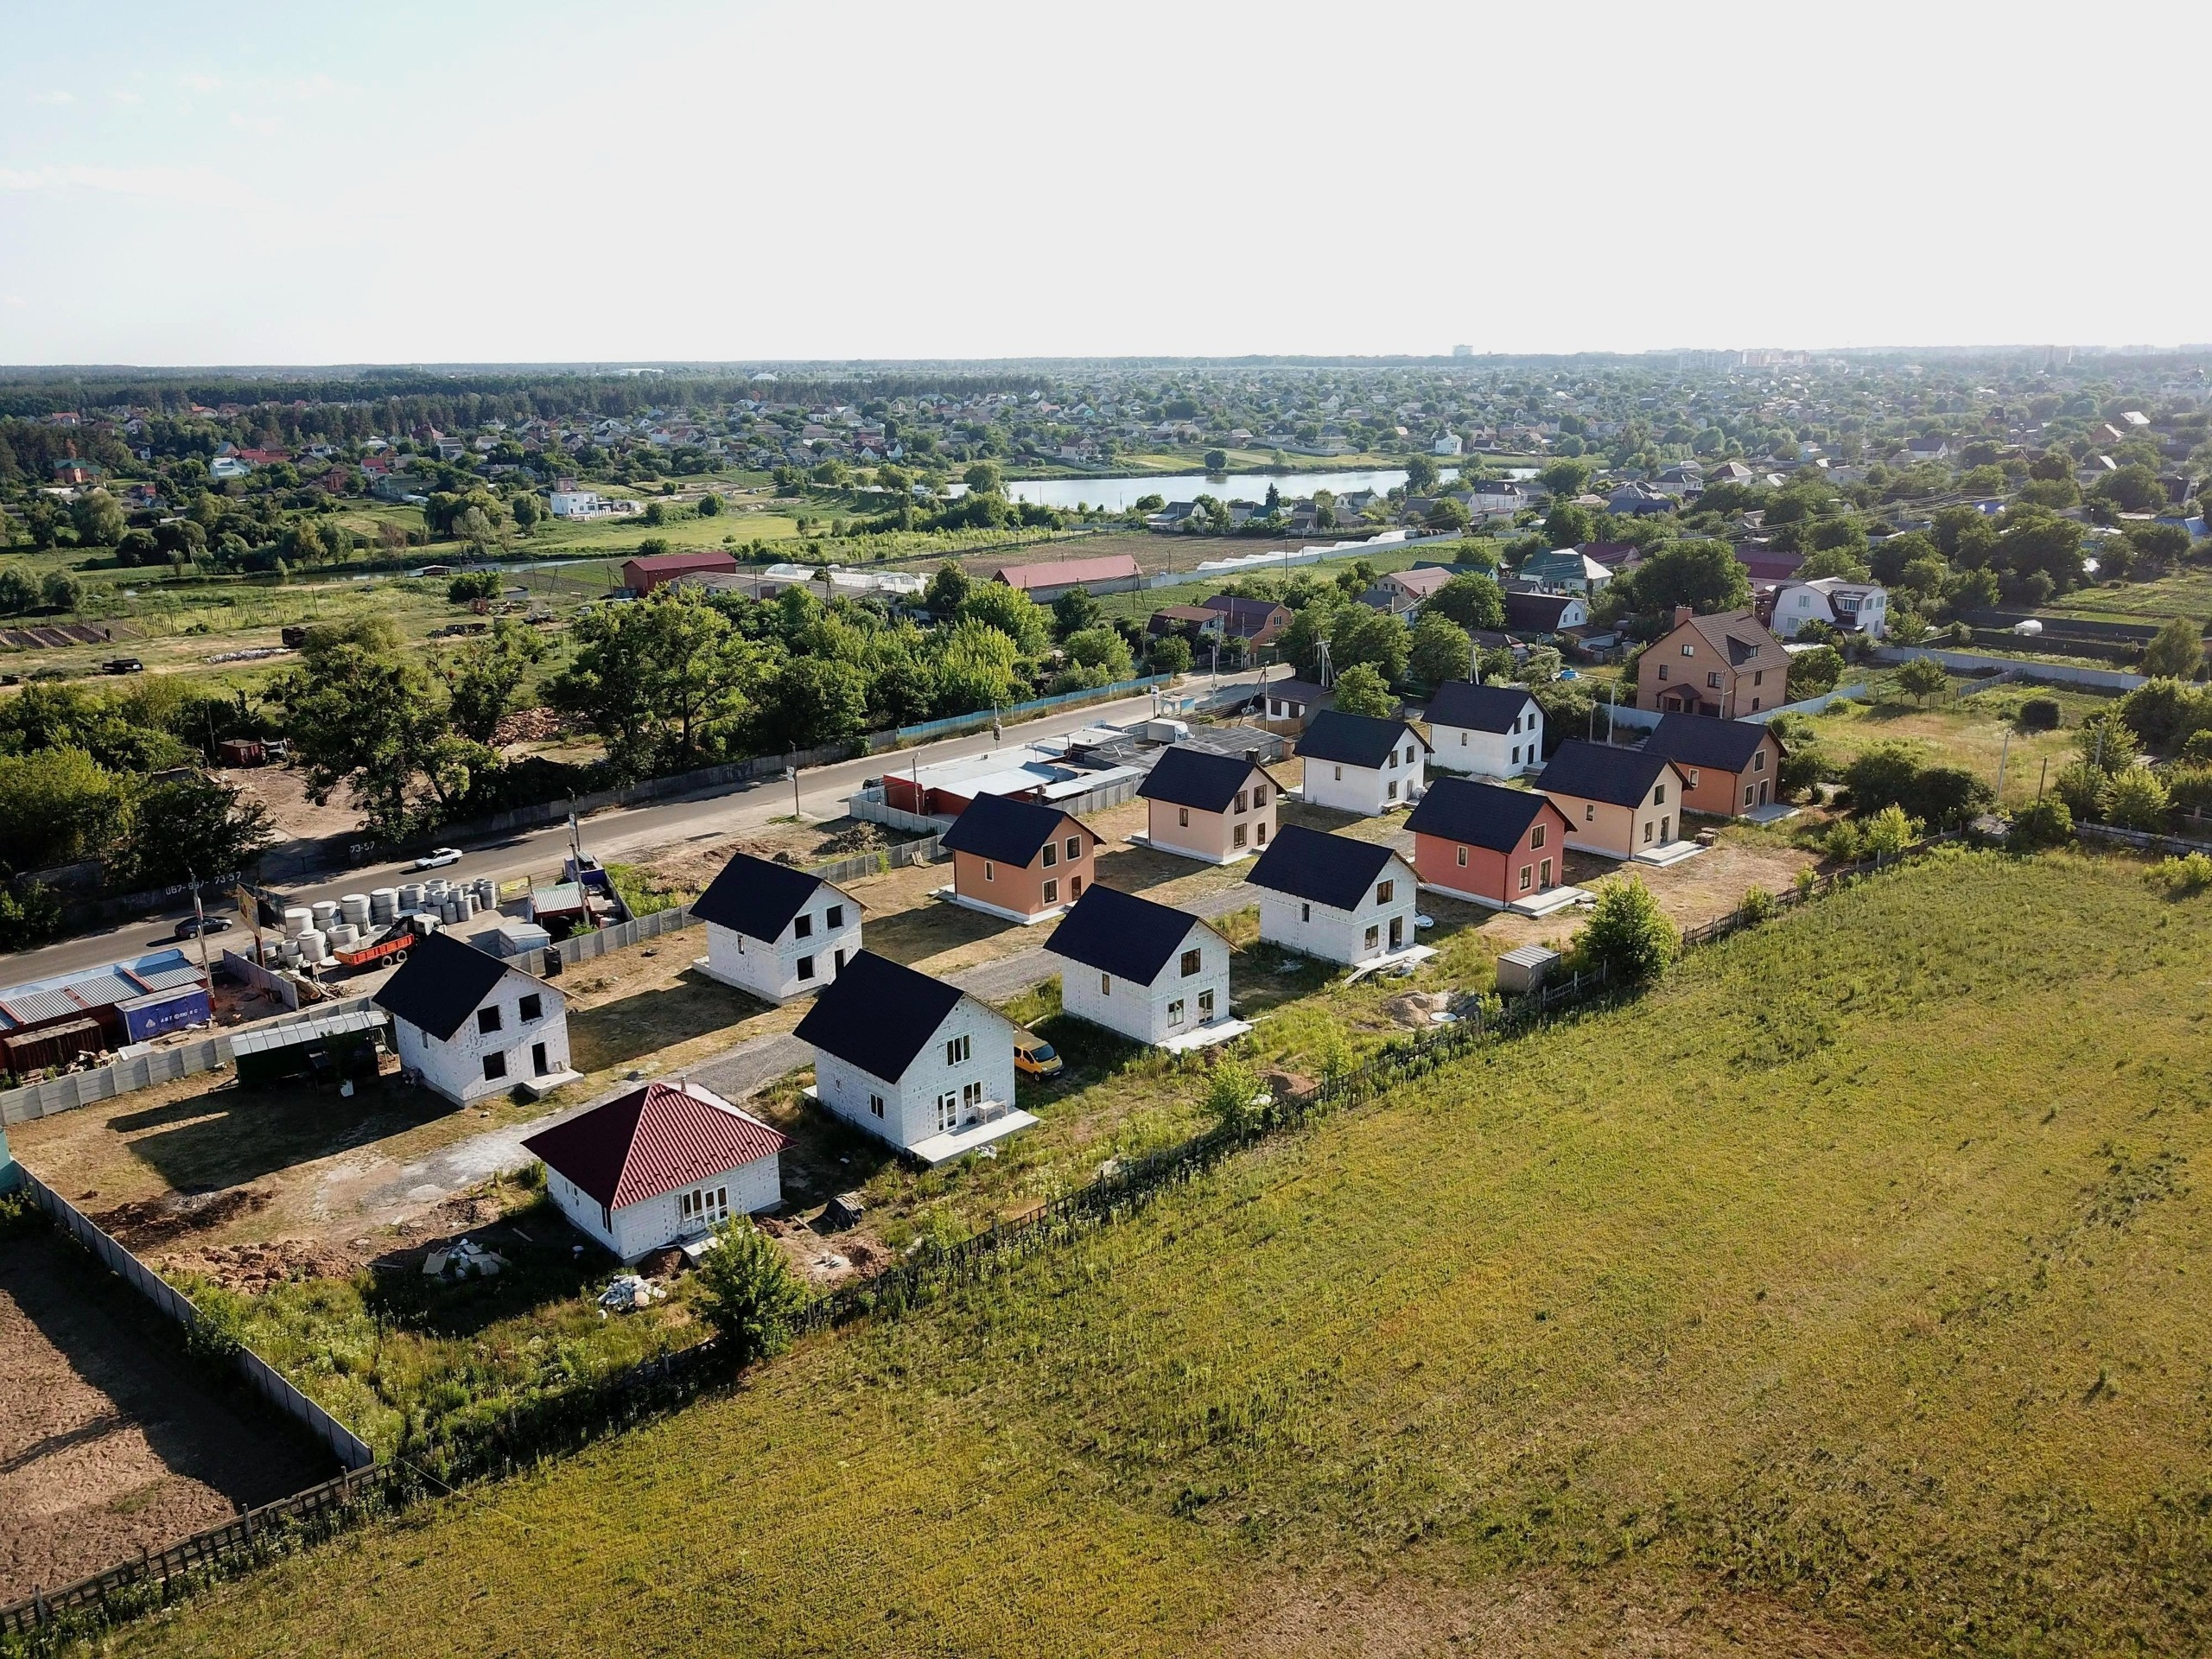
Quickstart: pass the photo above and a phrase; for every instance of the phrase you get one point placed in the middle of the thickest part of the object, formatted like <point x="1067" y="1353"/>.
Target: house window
<point x="1750" y="793"/>
<point x="956" y="1051"/>
<point x="1463" y="736"/>
<point x="1205" y="1006"/>
<point x="1175" y="1012"/>
<point x="704" y="1208"/>
<point x="495" y="1067"/>
<point x="1589" y="812"/>
<point x="875" y="1105"/>
<point x="531" y="1007"/>
<point x="1383" y="890"/>
<point x="1340" y="774"/>
<point x="487" y="1019"/>
<point x="971" y="1095"/>
<point x="1394" y="789"/>
<point x="1758" y="761"/>
<point x="1525" y="878"/>
<point x="802" y="928"/>
<point x="834" y="917"/>
<point x="1755" y="705"/>
<point x="1758" y="677"/>
<point x="1693" y="777"/>
<point x="1183" y="817"/>
<point x="1051" y="855"/>
<point x="1305" y="912"/>
<point x="1236" y="836"/>
<point x="1075" y="887"/>
<point x="1105" y="984"/>
<point x="1689" y="651"/>
<point x="1463" y="858"/>
<point x="1658" y="794"/>
<point x="1260" y="833"/>
<point x="1191" y="962"/>
<point x="1712" y="681"/>
<point x="1663" y="670"/>
<point x="1074" y="848"/>
<point x="1516" y="754"/>
<point x="806" y="967"/>
<point x="1647" y="832"/>
<point x="1536" y="837"/>
<point x="1242" y="798"/>
<point x="1259" y="795"/>
<point x="1374" y="937"/>
<point x="1052" y="892"/>
<point x="989" y="874"/>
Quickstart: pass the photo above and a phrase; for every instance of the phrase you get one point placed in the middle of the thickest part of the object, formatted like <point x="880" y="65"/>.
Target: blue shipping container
<point x="150" y="1016"/>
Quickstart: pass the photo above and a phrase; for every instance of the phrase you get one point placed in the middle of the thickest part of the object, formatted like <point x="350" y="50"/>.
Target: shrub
<point x="472" y="585"/>
<point x="1805" y="881"/>
<point x="2137" y="800"/>
<point x="2082" y="787"/>
<point x="2041" y="713"/>
<point x="2165" y="713"/>
<point x="1843" y="841"/>
<point x="1889" y="832"/>
<point x="2179" y="877"/>
<point x="1757" y="905"/>
<point x="2108" y="744"/>
<point x="1627" y="935"/>
<point x="218" y="1333"/>
<point x="2042" y="823"/>
<point x="1947" y="796"/>
<point x="1802" y="766"/>
<point x="747" y="1292"/>
<point x="2189" y="788"/>
<point x="1882" y="775"/>
<point x="1235" y="1098"/>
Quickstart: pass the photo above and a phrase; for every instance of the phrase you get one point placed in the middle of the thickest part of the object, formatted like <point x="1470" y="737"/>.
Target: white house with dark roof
<point x="1150" y="972"/>
<point x="1847" y="607"/>
<point x="1335" y="898"/>
<point x="1490" y="731"/>
<point x="662" y="1164"/>
<point x="1358" y="763"/>
<point x="775" y="930"/>
<point x="470" y="1024"/>
<point x="912" y="1060"/>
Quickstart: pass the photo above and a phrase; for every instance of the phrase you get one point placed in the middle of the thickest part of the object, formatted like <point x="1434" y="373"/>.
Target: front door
<point x="1666" y="830"/>
<point x="1397" y="932"/>
<point x="537" y="1065"/>
<point x="1544" y="876"/>
<point x="1763" y="791"/>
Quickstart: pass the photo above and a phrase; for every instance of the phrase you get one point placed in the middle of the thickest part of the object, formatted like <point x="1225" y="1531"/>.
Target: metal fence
<point x="343" y="1444"/>
<point x="869" y="805"/>
<point x="75" y="1089"/>
<point x="1017" y="711"/>
<point x="582" y="947"/>
<point x="891" y="858"/>
<point x="2175" y="846"/>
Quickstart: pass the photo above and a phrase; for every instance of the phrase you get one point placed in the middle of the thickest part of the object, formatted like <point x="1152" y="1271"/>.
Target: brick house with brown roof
<point x="1726" y="666"/>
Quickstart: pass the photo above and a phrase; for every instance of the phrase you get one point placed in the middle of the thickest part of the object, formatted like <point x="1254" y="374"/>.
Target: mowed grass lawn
<point x="1846" y="1295"/>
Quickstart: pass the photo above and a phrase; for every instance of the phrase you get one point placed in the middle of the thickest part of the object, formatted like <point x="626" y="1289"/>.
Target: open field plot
<point x="1971" y="733"/>
<point x="1838" y="1297"/>
<point x="2185" y="593"/>
<point x="111" y="1437"/>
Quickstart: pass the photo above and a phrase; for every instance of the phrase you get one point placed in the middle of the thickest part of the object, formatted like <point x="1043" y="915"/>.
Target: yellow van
<point x="1035" y="1057"/>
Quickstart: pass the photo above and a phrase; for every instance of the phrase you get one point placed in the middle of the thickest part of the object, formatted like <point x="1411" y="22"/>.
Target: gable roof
<point x="1700" y="741"/>
<point x="999" y="827"/>
<point x="1332" y="870"/>
<point x="1121" y="934"/>
<point x="1303" y="692"/>
<point x="1353" y="740"/>
<point x="878" y="1014"/>
<point x="441" y="983"/>
<point x="1197" y="778"/>
<point x="1477" y="707"/>
<point x="1595" y="771"/>
<point x="1482" y="815"/>
<point x="652" y="1140"/>
<point x="1740" y="639"/>
<point x="757" y="897"/>
<point x="1422" y="580"/>
<point x="1064" y="573"/>
<point x="1538" y="611"/>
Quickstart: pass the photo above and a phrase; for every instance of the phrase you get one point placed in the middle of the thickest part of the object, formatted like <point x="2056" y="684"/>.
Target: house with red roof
<point x="662" y="1164"/>
<point x="1116" y="573"/>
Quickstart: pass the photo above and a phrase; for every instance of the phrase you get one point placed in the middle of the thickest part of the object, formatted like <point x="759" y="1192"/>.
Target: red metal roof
<point x="1066" y="573"/>
<point x="653" y="1141"/>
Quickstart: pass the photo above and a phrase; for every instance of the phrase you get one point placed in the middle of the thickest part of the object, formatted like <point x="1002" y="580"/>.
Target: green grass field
<point x="1834" y="1299"/>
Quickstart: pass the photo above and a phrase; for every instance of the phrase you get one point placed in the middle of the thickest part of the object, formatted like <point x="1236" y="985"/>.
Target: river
<point x="1120" y="495"/>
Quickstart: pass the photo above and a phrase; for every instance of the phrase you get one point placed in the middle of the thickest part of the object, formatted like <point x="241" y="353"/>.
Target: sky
<point x="546" y="182"/>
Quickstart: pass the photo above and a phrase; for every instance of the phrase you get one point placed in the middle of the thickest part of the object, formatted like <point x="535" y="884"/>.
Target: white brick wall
<point x="770" y="970"/>
<point x="1141" y="1012"/>
<point x="455" y="1068"/>
<point x="1316" y="929"/>
<point x="910" y="1112"/>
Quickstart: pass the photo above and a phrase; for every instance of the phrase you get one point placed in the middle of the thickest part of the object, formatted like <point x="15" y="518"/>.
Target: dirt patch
<point x="111" y="1440"/>
<point x="283" y="790"/>
<point x="254" y="1267"/>
<point x="142" y="1224"/>
<point x="1607" y="1616"/>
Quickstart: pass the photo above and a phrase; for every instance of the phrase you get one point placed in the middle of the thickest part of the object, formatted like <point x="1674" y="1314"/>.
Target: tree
<point x="657" y="679"/>
<point x="1889" y="832"/>
<point x="809" y="701"/>
<point x="1236" y="1096"/>
<point x="1171" y="654"/>
<point x="194" y="825"/>
<point x="1444" y="513"/>
<point x="747" y="1292"/>
<point x="710" y="506"/>
<point x="1101" y="648"/>
<point x="1217" y="461"/>
<point x="1628" y="935"/>
<point x="472" y="585"/>
<point x="1074" y="611"/>
<point x="19" y="590"/>
<point x="1470" y="600"/>
<point x="1922" y="678"/>
<point x="1567" y="525"/>
<point x="1833" y="561"/>
<point x="528" y="511"/>
<point x="984" y="477"/>
<point x="1365" y="635"/>
<point x="1311" y="626"/>
<point x="1813" y="673"/>
<point x="485" y="677"/>
<point x="57" y="805"/>
<point x="1566" y="478"/>
<point x="61" y="591"/>
<point x="1421" y="475"/>
<point x="2137" y="800"/>
<point x="1441" y="649"/>
<point x="2176" y="651"/>
<point x="99" y="518"/>
<point x="947" y="591"/>
<point x="1013" y="613"/>
<point x="1706" y="577"/>
<point x="2040" y="823"/>
<point x="1882" y="774"/>
<point x="2133" y="489"/>
<point x="976" y="667"/>
<point x="1361" y="691"/>
<point x="656" y="513"/>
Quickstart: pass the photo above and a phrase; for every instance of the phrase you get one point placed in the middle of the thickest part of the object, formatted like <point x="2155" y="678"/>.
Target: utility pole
<point x="792" y="772"/>
<point x="2004" y="749"/>
<point x="2045" y="778"/>
<point x="200" y="912"/>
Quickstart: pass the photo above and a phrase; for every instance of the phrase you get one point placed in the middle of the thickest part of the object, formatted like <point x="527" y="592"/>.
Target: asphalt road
<point x="622" y="833"/>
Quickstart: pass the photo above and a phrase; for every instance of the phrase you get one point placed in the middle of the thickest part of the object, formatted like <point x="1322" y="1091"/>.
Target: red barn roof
<point x="653" y="1141"/>
<point x="1070" y="573"/>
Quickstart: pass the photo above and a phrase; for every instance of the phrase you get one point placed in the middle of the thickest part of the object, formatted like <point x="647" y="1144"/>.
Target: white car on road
<point x="438" y="857"/>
